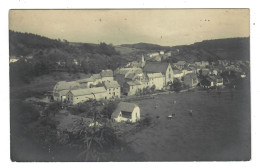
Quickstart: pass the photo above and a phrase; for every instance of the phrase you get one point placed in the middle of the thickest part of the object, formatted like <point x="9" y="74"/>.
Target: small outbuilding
<point x="126" y="112"/>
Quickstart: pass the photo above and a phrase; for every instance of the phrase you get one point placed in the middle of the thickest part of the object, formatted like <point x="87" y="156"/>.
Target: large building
<point x="155" y="79"/>
<point x="164" y="68"/>
<point x="62" y="88"/>
<point x="82" y="95"/>
<point x="113" y="89"/>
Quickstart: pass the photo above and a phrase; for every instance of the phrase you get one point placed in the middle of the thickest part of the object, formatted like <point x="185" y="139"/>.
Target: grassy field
<point x="219" y="128"/>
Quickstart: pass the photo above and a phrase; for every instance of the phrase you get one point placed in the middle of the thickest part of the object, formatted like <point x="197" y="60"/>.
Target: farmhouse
<point x="177" y="74"/>
<point x="126" y="112"/>
<point x="113" y="89"/>
<point x="180" y="64"/>
<point x="155" y="79"/>
<point x="107" y="75"/>
<point x="211" y="81"/>
<point x="82" y="95"/>
<point x="164" y="68"/>
<point x="97" y="78"/>
<point x="132" y="87"/>
<point x="190" y="80"/>
<point x="122" y="75"/>
<point x="86" y="82"/>
<point x="62" y="88"/>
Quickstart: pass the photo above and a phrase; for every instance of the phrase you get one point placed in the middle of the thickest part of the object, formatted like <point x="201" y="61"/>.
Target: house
<point x="113" y="89"/>
<point x="154" y="54"/>
<point x="161" y="52"/>
<point x="204" y="72"/>
<point x="177" y="74"/>
<point x="121" y="75"/>
<point x="164" y="68"/>
<point x="155" y="79"/>
<point x="211" y="81"/>
<point x="168" y="54"/>
<point x="107" y="75"/>
<point x="207" y="83"/>
<point x="62" y="88"/>
<point x="82" y="95"/>
<point x="126" y="112"/>
<point x="86" y="82"/>
<point x="190" y="80"/>
<point x="132" y="87"/>
<point x="157" y="58"/>
<point x="202" y="63"/>
<point x="97" y="78"/>
<point x="188" y="70"/>
<point x="179" y="64"/>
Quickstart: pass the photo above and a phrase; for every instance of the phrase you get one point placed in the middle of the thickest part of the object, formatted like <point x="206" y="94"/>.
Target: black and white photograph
<point x="129" y="85"/>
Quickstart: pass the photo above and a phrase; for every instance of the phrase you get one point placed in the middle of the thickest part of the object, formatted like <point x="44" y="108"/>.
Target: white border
<point x="64" y="4"/>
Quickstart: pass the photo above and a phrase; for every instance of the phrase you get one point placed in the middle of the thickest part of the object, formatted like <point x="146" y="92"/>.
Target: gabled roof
<point x="106" y="73"/>
<point x="177" y="72"/>
<point x="86" y="80"/>
<point x="155" y="75"/>
<point x="134" y="83"/>
<point x="191" y="75"/>
<point x="111" y="84"/>
<point x="88" y="91"/>
<point x="124" y="106"/>
<point x="63" y="85"/>
<point x="125" y="71"/>
<point x="156" y="67"/>
<point x="96" y="76"/>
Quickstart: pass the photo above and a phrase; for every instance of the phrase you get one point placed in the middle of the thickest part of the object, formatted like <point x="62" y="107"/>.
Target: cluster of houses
<point x="130" y="80"/>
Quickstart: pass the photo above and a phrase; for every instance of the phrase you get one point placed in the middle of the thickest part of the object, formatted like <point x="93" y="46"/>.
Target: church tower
<point x="142" y="61"/>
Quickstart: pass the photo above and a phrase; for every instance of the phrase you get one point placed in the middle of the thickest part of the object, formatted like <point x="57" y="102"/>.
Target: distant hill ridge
<point x="210" y="50"/>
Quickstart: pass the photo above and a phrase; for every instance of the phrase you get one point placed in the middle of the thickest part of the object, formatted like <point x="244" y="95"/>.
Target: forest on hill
<point x="49" y="55"/>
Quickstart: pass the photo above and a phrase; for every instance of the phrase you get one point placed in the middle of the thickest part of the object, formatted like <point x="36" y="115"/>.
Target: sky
<point x="167" y="27"/>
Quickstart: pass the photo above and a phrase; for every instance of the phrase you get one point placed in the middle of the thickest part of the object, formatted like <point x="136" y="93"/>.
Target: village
<point x="145" y="76"/>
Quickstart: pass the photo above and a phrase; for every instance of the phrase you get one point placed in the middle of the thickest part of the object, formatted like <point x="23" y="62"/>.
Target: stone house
<point x="113" y="89"/>
<point x="82" y="95"/>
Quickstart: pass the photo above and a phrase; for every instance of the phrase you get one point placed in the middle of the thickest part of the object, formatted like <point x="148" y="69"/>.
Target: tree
<point x="176" y="86"/>
<point x="109" y="109"/>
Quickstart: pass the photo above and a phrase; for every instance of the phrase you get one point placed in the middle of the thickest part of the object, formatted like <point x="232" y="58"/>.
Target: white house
<point x="126" y="112"/>
<point x="82" y="95"/>
<point x="156" y="79"/>
<point x="113" y="89"/>
<point x="62" y="88"/>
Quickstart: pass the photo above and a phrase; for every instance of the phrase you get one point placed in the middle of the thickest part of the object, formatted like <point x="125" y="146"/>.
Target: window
<point x="126" y="114"/>
<point x="169" y="75"/>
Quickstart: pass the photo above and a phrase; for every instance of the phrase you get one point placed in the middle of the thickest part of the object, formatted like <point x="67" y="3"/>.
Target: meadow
<point x="218" y="129"/>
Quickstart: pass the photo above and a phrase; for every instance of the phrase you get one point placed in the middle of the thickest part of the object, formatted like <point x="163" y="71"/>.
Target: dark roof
<point x="134" y="83"/>
<point x="111" y="84"/>
<point x="124" y="106"/>
<point x="106" y="73"/>
<point x="88" y="91"/>
<point x="156" y="67"/>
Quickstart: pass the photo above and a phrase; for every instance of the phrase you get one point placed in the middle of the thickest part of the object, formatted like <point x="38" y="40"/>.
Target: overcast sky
<point x="164" y="27"/>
